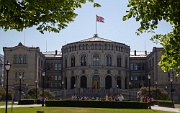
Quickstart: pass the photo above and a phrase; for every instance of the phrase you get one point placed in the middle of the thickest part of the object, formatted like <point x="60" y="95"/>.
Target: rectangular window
<point x="135" y="66"/>
<point x="135" y="77"/>
<point x="143" y="66"/>
<point x="24" y="59"/>
<point x="57" y="67"/>
<point x="131" y="77"/>
<point x="131" y="66"/>
<point x="55" y="78"/>
<point x="59" y="77"/>
<point x="139" y="66"/>
<point x="20" y="59"/>
<point x="51" y="85"/>
<point x="15" y="59"/>
<point x="55" y="85"/>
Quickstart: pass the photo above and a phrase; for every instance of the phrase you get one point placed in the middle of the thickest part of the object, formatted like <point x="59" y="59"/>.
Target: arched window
<point x="25" y="59"/>
<point x="95" y="59"/>
<point x="105" y="46"/>
<point x="116" y="48"/>
<point x="92" y="46"/>
<point x="73" y="82"/>
<point x="79" y="47"/>
<point x="83" y="60"/>
<point x="83" y="47"/>
<point x="108" y="82"/>
<point x="86" y="46"/>
<point x="65" y="62"/>
<point x="95" y="46"/>
<point x="99" y="46"/>
<point x="119" y="82"/>
<point x="118" y="61"/>
<point x="108" y="60"/>
<point x="83" y="82"/>
<point x="126" y="62"/>
<point x="65" y="83"/>
<point x="72" y="61"/>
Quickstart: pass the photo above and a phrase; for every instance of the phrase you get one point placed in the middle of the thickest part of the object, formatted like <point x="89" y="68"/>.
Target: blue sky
<point x="84" y="27"/>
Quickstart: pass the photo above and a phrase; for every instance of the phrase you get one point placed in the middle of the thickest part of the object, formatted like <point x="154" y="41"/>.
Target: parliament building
<point x="94" y="66"/>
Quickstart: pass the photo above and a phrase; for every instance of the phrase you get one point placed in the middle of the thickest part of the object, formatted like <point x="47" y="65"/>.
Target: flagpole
<point x="96" y="24"/>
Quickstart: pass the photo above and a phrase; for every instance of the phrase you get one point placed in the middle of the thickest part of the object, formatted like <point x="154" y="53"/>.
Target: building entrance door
<point x="95" y="82"/>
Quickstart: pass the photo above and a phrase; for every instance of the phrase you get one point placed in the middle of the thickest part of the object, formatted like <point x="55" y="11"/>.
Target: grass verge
<point x="78" y="110"/>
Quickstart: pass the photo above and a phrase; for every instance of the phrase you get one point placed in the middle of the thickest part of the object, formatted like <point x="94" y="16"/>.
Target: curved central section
<point x="96" y="63"/>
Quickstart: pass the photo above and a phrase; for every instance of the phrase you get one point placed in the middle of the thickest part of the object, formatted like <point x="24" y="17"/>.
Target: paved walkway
<point x="15" y="106"/>
<point x="176" y="110"/>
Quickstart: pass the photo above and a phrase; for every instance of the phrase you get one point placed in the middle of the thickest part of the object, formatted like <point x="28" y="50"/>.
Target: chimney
<point x="134" y="52"/>
<point x="55" y="52"/>
<point x="145" y="52"/>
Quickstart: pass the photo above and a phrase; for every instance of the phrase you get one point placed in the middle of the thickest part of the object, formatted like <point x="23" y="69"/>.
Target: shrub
<point x="161" y="93"/>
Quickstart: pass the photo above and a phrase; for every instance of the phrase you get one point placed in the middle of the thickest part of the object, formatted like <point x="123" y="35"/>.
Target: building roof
<point x="95" y="38"/>
<point x="52" y="54"/>
<point x="139" y="53"/>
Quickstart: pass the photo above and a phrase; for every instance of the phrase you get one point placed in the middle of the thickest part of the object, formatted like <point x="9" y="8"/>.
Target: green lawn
<point x="78" y="110"/>
<point x="4" y="103"/>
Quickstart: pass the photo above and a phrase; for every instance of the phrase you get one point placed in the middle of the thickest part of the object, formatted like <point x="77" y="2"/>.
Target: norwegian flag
<point x="99" y="19"/>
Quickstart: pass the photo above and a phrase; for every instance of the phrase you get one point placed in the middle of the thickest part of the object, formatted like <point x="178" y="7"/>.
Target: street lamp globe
<point x="20" y="77"/>
<point x="156" y="82"/>
<point x="7" y="66"/>
<point x="171" y="80"/>
<point x="149" y="76"/>
<point x="43" y="74"/>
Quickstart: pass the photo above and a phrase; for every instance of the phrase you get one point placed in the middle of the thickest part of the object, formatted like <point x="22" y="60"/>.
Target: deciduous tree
<point x="149" y="13"/>
<point x="47" y="15"/>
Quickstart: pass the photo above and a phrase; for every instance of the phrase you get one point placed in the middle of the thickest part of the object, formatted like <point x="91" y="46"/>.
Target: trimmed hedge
<point x="163" y="103"/>
<point x="97" y="104"/>
<point x="27" y="101"/>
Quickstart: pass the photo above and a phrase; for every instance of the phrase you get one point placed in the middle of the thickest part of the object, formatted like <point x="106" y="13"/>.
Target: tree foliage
<point x="48" y="15"/>
<point x="149" y="13"/>
<point x="32" y="93"/>
<point x="3" y="93"/>
<point x="48" y="95"/>
<point x="161" y="93"/>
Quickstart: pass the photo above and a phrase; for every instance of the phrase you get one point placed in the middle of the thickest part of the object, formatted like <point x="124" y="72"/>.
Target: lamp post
<point x="26" y="90"/>
<point x="74" y="89"/>
<point x="149" y="79"/>
<point x="36" y="89"/>
<point x="20" y="77"/>
<point x="117" y="88"/>
<point x="62" y="90"/>
<point x="7" y="67"/>
<point x="43" y="75"/>
<point x="171" y="80"/>
<point x="156" y="89"/>
<point x="129" y="90"/>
